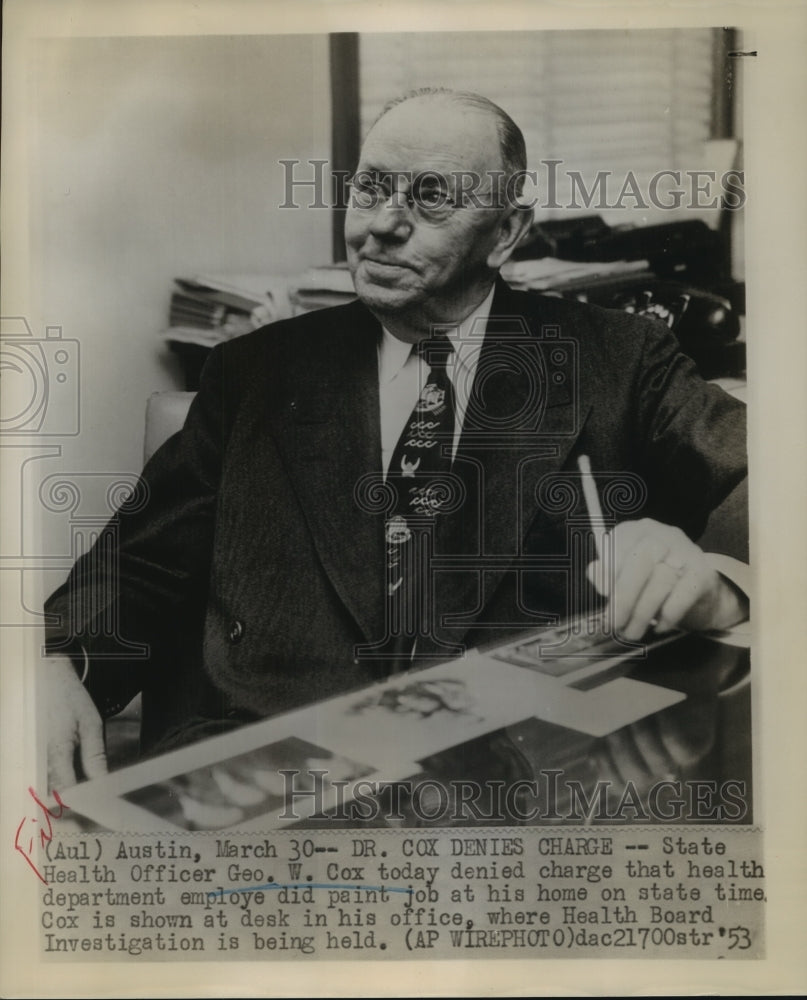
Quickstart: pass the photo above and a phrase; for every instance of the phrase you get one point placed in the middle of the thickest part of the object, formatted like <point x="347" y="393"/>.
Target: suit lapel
<point x="331" y="436"/>
<point x="523" y="418"/>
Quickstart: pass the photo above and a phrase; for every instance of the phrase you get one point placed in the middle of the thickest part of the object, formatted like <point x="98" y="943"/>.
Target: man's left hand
<point x="656" y="577"/>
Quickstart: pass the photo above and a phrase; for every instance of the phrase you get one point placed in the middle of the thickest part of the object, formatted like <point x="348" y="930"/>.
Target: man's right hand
<point x="72" y="721"/>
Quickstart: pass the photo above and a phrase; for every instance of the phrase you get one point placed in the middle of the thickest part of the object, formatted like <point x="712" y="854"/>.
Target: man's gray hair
<point x="513" y="149"/>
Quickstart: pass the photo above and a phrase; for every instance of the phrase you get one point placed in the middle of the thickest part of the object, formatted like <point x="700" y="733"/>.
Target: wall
<point x="150" y="158"/>
<point x="157" y="157"/>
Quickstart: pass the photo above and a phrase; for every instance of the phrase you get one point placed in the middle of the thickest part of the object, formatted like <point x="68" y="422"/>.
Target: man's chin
<point x="382" y="296"/>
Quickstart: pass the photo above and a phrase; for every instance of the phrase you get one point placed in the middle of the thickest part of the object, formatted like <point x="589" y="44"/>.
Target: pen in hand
<point x="597" y="521"/>
<point x="596" y="573"/>
<point x="592" y="504"/>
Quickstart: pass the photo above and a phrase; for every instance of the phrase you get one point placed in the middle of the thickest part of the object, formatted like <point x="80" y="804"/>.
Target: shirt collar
<point x="394" y="353"/>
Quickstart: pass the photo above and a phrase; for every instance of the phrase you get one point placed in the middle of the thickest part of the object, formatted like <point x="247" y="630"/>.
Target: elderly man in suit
<point x="369" y="485"/>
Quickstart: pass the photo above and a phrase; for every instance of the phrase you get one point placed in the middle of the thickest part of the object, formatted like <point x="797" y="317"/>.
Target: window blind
<point x="637" y="102"/>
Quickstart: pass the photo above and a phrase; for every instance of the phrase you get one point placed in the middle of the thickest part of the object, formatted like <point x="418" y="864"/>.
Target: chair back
<point x="165" y="415"/>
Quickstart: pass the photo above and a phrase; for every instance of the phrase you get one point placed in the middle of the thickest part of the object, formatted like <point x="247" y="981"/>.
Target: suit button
<point x="236" y="632"/>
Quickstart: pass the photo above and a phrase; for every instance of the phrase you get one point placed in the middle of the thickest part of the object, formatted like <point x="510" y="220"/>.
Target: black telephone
<point x="705" y="324"/>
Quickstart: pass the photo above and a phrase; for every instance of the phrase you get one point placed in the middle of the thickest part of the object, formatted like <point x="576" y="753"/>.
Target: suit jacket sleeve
<point x="156" y="550"/>
<point x="693" y="444"/>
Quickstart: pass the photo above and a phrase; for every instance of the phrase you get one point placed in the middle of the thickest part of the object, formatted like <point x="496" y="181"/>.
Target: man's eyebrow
<point x="371" y="168"/>
<point x="434" y="177"/>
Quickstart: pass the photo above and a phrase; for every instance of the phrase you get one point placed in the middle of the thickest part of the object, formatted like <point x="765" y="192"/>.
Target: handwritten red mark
<point x="45" y="830"/>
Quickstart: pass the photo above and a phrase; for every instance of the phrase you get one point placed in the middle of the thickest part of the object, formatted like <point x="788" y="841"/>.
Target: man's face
<point x="412" y="265"/>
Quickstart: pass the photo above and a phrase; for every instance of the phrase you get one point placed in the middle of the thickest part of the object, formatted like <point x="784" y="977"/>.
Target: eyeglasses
<point x="426" y="196"/>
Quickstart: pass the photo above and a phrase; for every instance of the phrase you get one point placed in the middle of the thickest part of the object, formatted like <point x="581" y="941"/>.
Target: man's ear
<point x="514" y="224"/>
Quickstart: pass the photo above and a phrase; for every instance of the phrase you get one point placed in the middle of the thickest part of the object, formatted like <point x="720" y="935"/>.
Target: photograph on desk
<point x="242" y="787"/>
<point x="403" y="483"/>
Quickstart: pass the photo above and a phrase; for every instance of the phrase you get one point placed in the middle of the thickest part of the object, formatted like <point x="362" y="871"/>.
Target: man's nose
<point x="391" y="218"/>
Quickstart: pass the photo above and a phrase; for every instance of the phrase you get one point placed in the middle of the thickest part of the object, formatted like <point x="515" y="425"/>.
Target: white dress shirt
<point x="402" y="375"/>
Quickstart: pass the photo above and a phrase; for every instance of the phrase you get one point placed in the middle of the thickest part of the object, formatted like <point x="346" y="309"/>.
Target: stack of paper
<point x="210" y="308"/>
<point x="549" y="273"/>
<point x="329" y="285"/>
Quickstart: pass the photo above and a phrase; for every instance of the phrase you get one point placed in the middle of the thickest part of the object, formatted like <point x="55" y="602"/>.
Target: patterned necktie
<point x="420" y="463"/>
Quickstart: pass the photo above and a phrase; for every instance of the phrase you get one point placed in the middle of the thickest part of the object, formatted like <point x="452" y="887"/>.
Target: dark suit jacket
<point x="251" y="563"/>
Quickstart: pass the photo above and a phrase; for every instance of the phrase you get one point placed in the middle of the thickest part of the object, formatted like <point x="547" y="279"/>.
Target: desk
<point x="699" y="748"/>
<point x="538" y="749"/>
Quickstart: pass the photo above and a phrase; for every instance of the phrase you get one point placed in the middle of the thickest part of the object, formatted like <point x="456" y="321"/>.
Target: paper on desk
<point x="427" y="711"/>
<point x="375" y="734"/>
